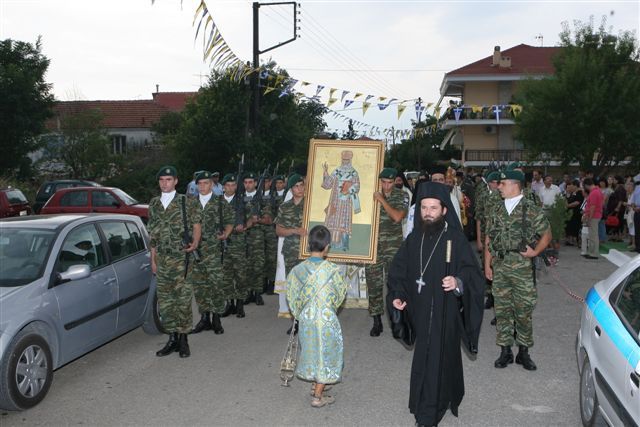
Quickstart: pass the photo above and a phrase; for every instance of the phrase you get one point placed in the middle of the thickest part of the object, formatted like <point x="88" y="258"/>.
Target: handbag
<point x="612" y="221"/>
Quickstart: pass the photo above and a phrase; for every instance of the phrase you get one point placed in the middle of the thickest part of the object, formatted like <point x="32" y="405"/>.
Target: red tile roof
<point x="116" y="114"/>
<point x="525" y="59"/>
<point x="174" y="101"/>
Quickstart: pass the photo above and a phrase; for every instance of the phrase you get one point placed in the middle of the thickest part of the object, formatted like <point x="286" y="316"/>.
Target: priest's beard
<point x="432" y="227"/>
<point x="399" y="186"/>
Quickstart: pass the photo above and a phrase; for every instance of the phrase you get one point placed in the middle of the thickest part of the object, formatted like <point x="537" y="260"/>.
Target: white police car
<point x="608" y="348"/>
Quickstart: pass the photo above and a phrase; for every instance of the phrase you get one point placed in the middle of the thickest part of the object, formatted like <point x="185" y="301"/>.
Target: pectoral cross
<point x="420" y="283"/>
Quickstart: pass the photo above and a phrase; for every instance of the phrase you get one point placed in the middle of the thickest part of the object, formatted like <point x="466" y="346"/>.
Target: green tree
<point x="215" y="127"/>
<point x="26" y="102"/>
<point x="85" y="146"/>
<point x="587" y="112"/>
<point x="350" y="133"/>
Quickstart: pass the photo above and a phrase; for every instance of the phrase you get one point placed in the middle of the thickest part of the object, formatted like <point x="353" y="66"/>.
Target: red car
<point x="94" y="199"/>
<point x="13" y="203"/>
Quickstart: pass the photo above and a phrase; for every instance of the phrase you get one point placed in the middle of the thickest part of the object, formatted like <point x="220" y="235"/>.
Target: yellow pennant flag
<point x="437" y="112"/>
<point x="268" y="89"/>
<point x="429" y="104"/>
<point x="365" y="107"/>
<point x="516" y="109"/>
<point x="305" y="84"/>
<point x="476" y="108"/>
<point x="279" y="79"/>
<point x="382" y="98"/>
<point x="331" y="91"/>
<point x="357" y="95"/>
<point x="331" y="101"/>
<point x="401" y="109"/>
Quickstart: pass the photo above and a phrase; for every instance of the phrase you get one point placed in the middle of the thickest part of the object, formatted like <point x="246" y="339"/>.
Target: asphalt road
<point x="233" y="379"/>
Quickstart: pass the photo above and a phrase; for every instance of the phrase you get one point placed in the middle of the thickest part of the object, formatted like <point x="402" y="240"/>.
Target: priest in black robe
<point x="444" y="303"/>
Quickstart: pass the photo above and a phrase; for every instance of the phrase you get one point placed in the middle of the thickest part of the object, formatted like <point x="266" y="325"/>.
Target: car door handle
<point x="635" y="379"/>
<point x="109" y="281"/>
<point x="598" y="331"/>
<point x="144" y="266"/>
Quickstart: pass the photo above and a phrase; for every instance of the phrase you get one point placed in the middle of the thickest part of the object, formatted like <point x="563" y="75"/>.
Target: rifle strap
<point x="184" y="213"/>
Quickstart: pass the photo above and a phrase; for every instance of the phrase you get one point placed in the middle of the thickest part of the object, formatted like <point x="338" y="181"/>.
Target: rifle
<point x="238" y="199"/>
<point x="223" y="243"/>
<point x="273" y="192"/>
<point x="187" y="239"/>
<point x="257" y="199"/>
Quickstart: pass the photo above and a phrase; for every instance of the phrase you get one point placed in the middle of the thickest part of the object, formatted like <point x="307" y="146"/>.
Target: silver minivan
<point x="68" y="284"/>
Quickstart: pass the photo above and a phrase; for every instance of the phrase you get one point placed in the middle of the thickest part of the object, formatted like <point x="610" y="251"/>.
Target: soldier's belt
<point x="163" y="250"/>
<point x="503" y="254"/>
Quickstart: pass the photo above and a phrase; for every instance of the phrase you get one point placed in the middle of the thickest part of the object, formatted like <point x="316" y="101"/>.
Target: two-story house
<point x="481" y="120"/>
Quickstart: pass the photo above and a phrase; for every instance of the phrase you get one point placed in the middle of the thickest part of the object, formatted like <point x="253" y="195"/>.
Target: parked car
<point x="95" y="199"/>
<point x="13" y="203"/>
<point x="49" y="188"/>
<point x="68" y="284"/>
<point x="608" y="348"/>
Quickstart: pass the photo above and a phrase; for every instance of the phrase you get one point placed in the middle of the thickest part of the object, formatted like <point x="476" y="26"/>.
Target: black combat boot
<point x="216" y="325"/>
<point x="524" y="359"/>
<point x="259" y="300"/>
<point x="494" y="321"/>
<point x="488" y="304"/>
<point x="270" y="287"/>
<point x="506" y="357"/>
<point x="229" y="309"/>
<point x="203" y="325"/>
<point x="295" y="329"/>
<point x="170" y="346"/>
<point x="183" y="346"/>
<point x="376" y="330"/>
<point x="250" y="298"/>
<point x="240" y="308"/>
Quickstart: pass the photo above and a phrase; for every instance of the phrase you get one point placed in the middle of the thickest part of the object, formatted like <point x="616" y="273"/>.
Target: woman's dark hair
<point x="576" y="182"/>
<point x="319" y="238"/>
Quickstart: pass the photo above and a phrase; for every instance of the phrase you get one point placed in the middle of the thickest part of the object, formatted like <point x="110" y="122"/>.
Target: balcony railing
<point x="483" y="112"/>
<point x="495" y="155"/>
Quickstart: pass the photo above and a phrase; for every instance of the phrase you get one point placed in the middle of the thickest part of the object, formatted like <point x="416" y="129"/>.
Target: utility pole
<point x="255" y="81"/>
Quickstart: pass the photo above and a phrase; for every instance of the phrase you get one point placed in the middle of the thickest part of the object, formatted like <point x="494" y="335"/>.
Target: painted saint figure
<point x="344" y="184"/>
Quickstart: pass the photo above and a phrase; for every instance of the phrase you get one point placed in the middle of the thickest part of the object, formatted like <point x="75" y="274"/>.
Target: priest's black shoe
<point x="295" y="330"/>
<point x="230" y="308"/>
<point x="259" y="300"/>
<point x="183" y="346"/>
<point x="216" y="325"/>
<point x="488" y="304"/>
<point x="170" y="346"/>
<point x="240" y="308"/>
<point x="506" y="357"/>
<point x="203" y="325"/>
<point x="376" y="330"/>
<point x="524" y="359"/>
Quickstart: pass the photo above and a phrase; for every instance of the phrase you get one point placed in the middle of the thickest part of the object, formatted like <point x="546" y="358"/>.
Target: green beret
<point x="215" y="174"/>
<point x="514" y="175"/>
<point x="167" y="171"/>
<point x="279" y="178"/>
<point x="267" y="176"/>
<point x="294" y="179"/>
<point x="515" y="165"/>
<point x="203" y="175"/>
<point x="250" y="175"/>
<point x="388" y="173"/>
<point x="228" y="178"/>
<point x="493" y="176"/>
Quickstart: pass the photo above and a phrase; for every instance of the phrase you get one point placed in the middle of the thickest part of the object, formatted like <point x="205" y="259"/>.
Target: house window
<point x="119" y="144"/>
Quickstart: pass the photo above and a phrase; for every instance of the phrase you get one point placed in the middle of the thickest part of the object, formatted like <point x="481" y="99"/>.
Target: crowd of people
<point x="450" y="245"/>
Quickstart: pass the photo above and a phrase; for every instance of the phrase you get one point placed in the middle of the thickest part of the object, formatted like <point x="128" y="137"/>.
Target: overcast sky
<point x="120" y="49"/>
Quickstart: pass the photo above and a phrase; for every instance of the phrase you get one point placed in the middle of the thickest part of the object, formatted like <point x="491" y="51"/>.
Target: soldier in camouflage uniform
<point x="206" y="278"/>
<point x="394" y="207"/>
<point x="289" y="222"/>
<point x="234" y="274"/>
<point x="487" y="198"/>
<point x="259" y="215"/>
<point x="171" y="260"/>
<point x="509" y="250"/>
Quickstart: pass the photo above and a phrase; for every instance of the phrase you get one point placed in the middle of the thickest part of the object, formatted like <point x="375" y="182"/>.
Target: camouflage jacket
<point x="166" y="226"/>
<point x="490" y="203"/>
<point x="390" y="232"/>
<point x="215" y="216"/>
<point x="290" y="216"/>
<point x="506" y="232"/>
<point x="481" y="191"/>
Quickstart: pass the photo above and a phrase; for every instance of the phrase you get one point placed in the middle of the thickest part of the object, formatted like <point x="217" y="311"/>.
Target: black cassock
<point x="426" y="312"/>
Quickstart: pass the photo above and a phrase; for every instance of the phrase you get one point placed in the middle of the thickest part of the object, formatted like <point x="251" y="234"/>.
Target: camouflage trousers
<point x="515" y="298"/>
<point x="206" y="280"/>
<point x="234" y="270"/>
<point x="270" y="249"/>
<point x="174" y="294"/>
<point x="376" y="275"/>
<point x="254" y="262"/>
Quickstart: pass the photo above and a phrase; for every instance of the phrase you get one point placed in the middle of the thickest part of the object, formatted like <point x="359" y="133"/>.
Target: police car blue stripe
<point x="613" y="327"/>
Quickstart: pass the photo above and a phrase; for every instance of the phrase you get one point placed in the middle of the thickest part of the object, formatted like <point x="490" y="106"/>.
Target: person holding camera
<point x="171" y="215"/>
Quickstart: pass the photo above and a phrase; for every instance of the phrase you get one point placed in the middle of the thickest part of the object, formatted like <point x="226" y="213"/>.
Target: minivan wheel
<point x="27" y="372"/>
<point x="153" y="323"/>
